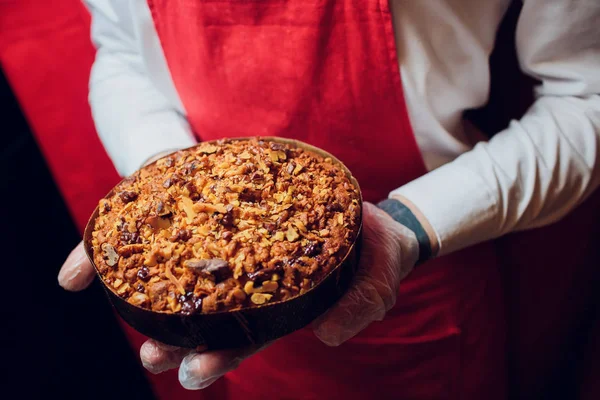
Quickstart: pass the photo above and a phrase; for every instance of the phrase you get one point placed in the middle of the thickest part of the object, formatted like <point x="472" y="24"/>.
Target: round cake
<point x="225" y="225"/>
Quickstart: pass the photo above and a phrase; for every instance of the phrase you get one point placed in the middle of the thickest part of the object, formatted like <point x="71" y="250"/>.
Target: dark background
<point x="60" y="345"/>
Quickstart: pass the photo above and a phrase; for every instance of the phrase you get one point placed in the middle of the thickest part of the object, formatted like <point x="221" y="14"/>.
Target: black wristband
<point x="402" y="214"/>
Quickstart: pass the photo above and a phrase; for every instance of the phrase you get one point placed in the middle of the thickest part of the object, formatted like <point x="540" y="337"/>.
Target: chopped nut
<point x="187" y="205"/>
<point x="215" y="267"/>
<point x="300" y="225"/>
<point x="277" y="146"/>
<point x="210" y="208"/>
<point x="298" y="169"/>
<point x="181" y="235"/>
<point x="285" y="215"/>
<point x="290" y="168"/>
<point x="239" y="294"/>
<point x="257" y="176"/>
<point x="204" y="230"/>
<point x="208" y="149"/>
<point x="245" y="155"/>
<point x="269" y="286"/>
<point x="249" y="287"/>
<point x="291" y="234"/>
<point x="139" y="299"/>
<point x="260" y="298"/>
<point x="123" y="288"/>
<point x="109" y="254"/>
<point x="171" y="181"/>
<point x="130" y="249"/>
<point x="227" y="235"/>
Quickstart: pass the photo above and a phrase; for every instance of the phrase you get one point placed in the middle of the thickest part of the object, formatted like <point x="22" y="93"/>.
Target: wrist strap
<point x="402" y="214"/>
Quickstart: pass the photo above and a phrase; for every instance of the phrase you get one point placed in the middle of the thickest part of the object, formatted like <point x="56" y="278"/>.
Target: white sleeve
<point x="134" y="120"/>
<point x="541" y="167"/>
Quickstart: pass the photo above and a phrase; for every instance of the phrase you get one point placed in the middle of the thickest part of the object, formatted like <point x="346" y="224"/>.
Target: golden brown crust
<point x="237" y="223"/>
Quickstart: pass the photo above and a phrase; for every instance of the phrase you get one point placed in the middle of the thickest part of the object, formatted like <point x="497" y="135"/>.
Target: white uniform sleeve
<point x="134" y="120"/>
<point x="541" y="167"/>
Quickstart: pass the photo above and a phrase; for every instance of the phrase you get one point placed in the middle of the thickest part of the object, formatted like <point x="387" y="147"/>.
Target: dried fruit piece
<point x="130" y="237"/>
<point x="128" y="196"/>
<point x="250" y="195"/>
<point x="181" y="235"/>
<point x="312" y="249"/>
<point x="227" y="235"/>
<point x="228" y="218"/>
<point x="104" y="206"/>
<point x="143" y="274"/>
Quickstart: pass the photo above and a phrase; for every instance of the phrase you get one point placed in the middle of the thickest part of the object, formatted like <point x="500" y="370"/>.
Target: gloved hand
<point x="389" y="252"/>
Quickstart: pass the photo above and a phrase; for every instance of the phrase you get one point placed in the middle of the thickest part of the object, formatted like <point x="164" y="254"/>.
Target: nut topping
<point x="110" y="255"/>
<point x="291" y="234"/>
<point x="225" y="225"/>
<point x="216" y="267"/>
<point x="260" y="298"/>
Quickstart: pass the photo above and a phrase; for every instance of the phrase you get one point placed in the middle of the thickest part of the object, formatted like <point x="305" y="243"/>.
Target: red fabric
<point x="46" y="55"/>
<point x="326" y="72"/>
<point x="552" y="279"/>
<point x="50" y="81"/>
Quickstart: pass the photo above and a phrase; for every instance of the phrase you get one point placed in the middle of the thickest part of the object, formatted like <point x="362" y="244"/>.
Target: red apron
<point x="326" y="72"/>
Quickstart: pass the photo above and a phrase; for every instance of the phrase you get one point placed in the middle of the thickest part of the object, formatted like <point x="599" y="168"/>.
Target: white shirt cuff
<point x="458" y="203"/>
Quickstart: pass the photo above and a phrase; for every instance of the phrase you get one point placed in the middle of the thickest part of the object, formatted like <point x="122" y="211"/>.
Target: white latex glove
<point x="389" y="252"/>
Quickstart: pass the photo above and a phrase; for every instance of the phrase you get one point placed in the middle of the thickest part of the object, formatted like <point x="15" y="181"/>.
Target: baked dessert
<point x="225" y="225"/>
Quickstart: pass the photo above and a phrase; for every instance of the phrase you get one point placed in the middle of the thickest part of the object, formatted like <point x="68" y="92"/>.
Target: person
<point x="383" y="86"/>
